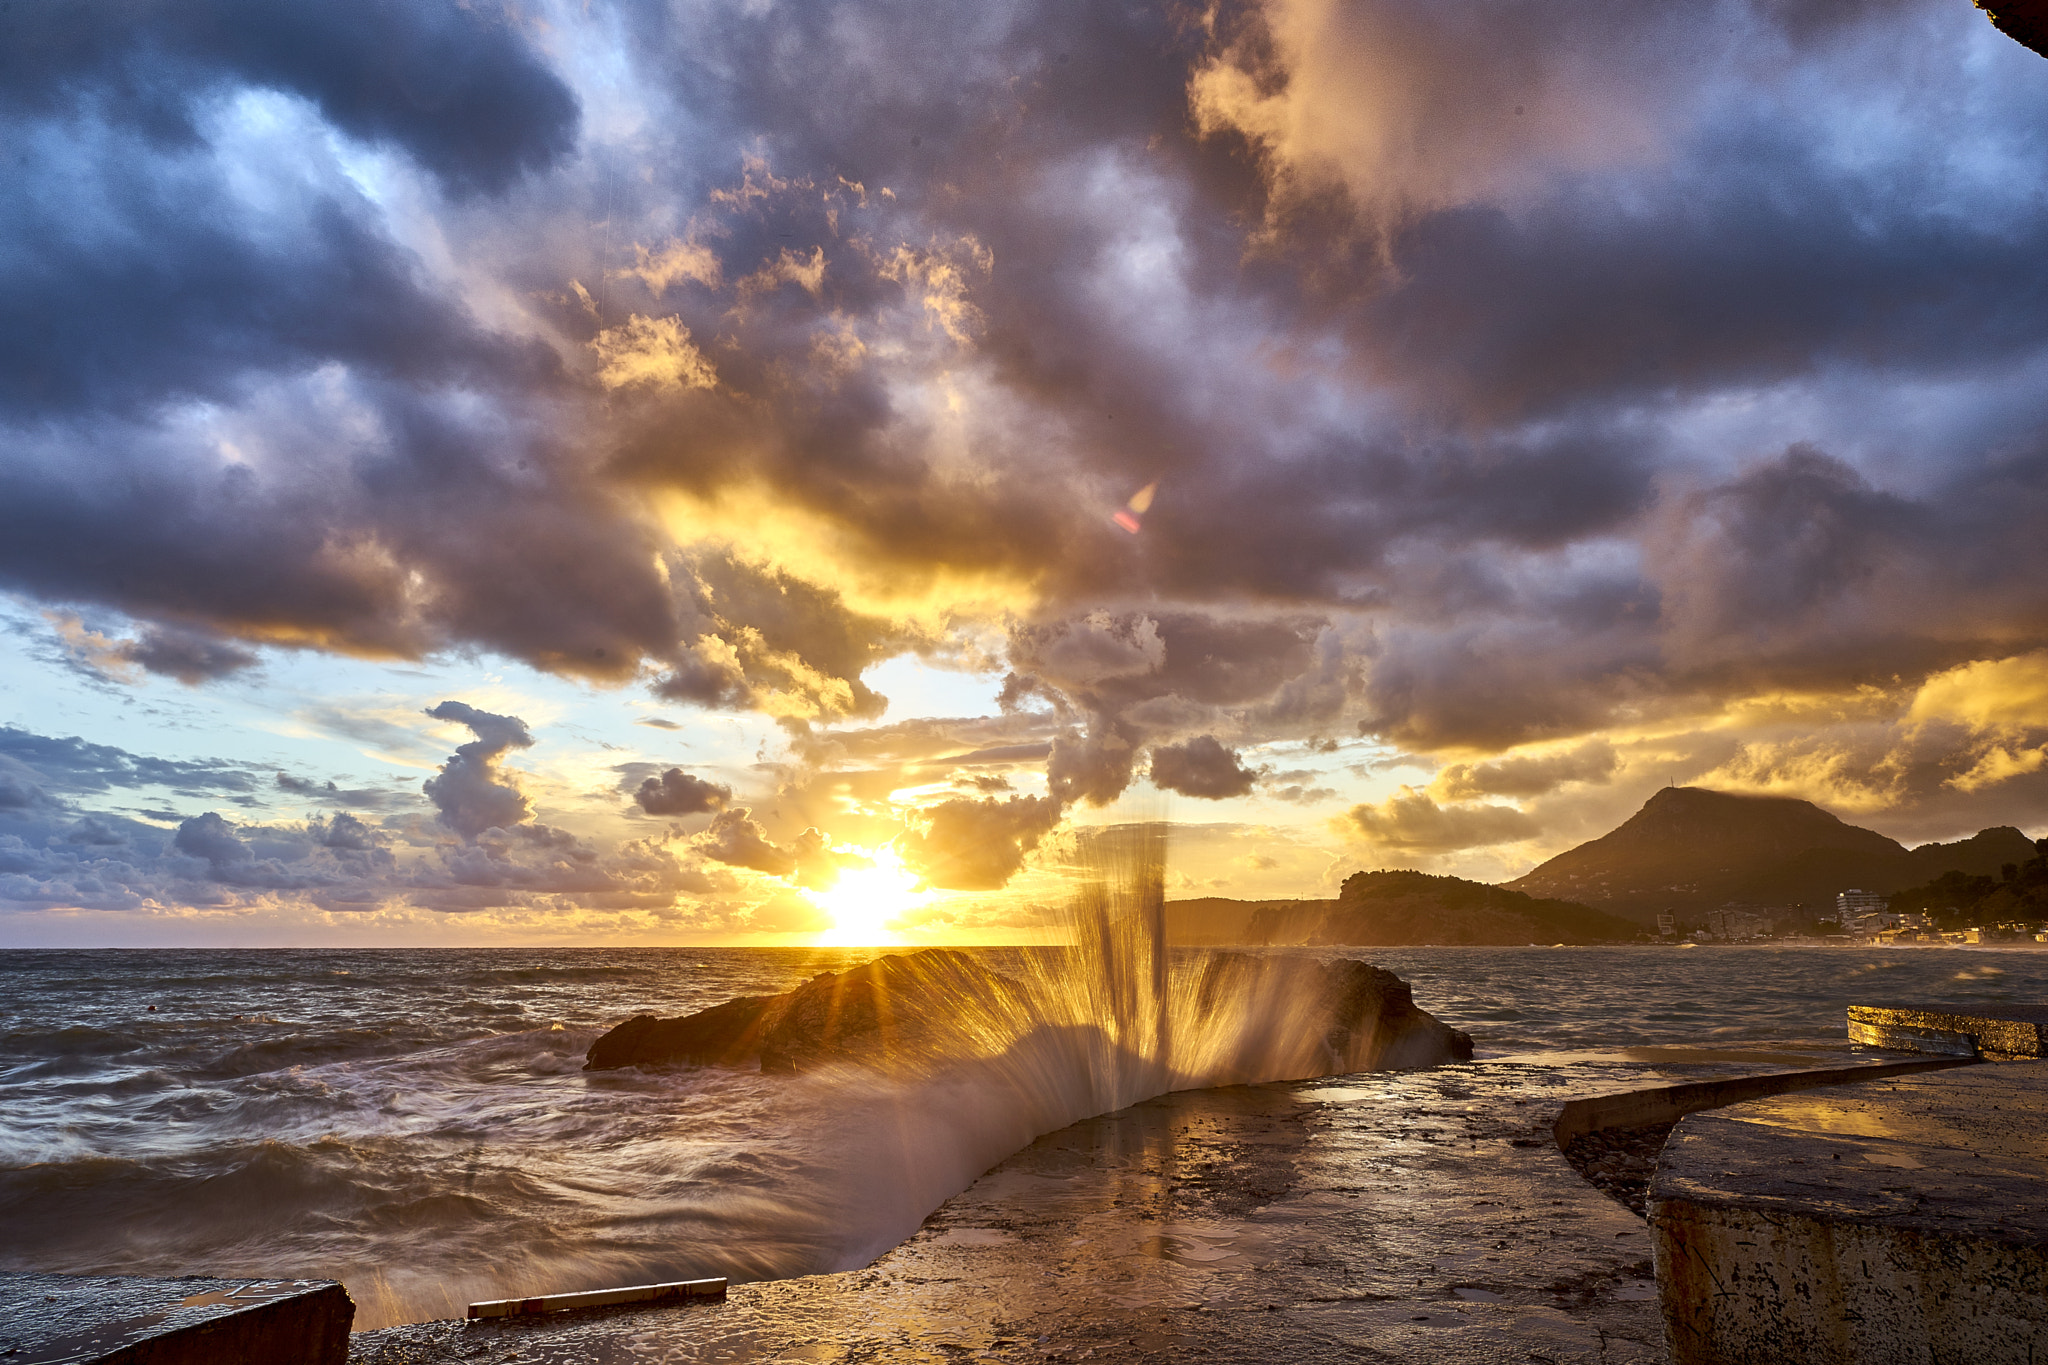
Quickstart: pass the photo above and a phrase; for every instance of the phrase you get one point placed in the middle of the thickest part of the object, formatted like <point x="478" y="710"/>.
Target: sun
<point x="864" y="899"/>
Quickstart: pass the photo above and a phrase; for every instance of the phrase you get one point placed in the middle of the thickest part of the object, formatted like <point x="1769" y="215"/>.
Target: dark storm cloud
<point x="1092" y="765"/>
<point x="458" y="88"/>
<point x="1502" y="369"/>
<point x="735" y="839"/>
<point x="17" y="792"/>
<point x="1135" y="676"/>
<point x="190" y="657"/>
<point x="1201" y="767"/>
<point x="1723" y="284"/>
<point x="95" y="832"/>
<point x="471" y="793"/>
<point x="676" y="792"/>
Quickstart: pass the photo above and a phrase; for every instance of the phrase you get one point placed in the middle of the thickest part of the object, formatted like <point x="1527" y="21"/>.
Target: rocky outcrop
<point x="731" y="1034"/>
<point x="914" y="1004"/>
<point x="2023" y="21"/>
<point x="931" y="1007"/>
<point x="1377" y="1024"/>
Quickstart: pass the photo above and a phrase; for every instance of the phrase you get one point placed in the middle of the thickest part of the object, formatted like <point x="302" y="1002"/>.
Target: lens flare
<point x="863" y="900"/>
<point x="1128" y="515"/>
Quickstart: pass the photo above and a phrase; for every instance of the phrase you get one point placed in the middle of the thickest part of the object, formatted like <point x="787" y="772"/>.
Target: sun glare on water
<point x="864" y="900"/>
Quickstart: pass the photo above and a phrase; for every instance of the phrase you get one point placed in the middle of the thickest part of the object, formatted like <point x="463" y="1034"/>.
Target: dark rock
<point x="893" y="1006"/>
<point x="1375" y="1022"/>
<point x="1620" y="1162"/>
<point x="2023" y="21"/>
<point x="930" y="1005"/>
<point x="940" y="1005"/>
<point x="724" y="1035"/>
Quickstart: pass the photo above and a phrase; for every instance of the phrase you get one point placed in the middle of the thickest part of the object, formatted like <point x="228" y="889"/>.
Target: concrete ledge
<point x="122" y="1320"/>
<point x="2009" y="1033"/>
<point x="1669" y="1103"/>
<point x="1900" y="1221"/>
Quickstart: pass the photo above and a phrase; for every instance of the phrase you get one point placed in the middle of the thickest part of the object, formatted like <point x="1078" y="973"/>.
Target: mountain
<point x="1392" y="909"/>
<point x="1690" y="849"/>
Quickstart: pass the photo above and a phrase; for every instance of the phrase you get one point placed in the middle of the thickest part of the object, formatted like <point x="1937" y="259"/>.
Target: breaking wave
<point x="418" y="1124"/>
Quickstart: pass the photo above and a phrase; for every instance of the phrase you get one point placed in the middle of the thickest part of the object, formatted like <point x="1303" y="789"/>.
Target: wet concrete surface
<point x="78" y="1319"/>
<point x="1409" y="1216"/>
<point x="1899" y="1219"/>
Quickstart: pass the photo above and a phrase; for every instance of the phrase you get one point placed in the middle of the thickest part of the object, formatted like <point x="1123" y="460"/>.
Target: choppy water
<point x="417" y="1123"/>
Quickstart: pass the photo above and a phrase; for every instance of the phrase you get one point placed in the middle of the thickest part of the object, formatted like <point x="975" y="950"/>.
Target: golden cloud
<point x="656" y="352"/>
<point x="2000" y="696"/>
<point x="678" y="260"/>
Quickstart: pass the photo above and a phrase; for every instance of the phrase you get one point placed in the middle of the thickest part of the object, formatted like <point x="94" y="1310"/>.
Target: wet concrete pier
<point x="1414" y="1216"/>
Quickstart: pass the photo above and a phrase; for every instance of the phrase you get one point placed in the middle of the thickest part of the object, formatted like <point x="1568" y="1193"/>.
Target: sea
<point x="417" y="1122"/>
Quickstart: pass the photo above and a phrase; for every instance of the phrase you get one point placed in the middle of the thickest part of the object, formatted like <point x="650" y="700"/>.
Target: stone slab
<point x="2008" y="1032"/>
<point x="1897" y="1220"/>
<point x="1410" y="1216"/>
<point x="127" y="1320"/>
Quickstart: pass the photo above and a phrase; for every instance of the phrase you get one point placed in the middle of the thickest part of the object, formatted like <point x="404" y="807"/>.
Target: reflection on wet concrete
<point x="1414" y="1216"/>
<point x="1920" y="1111"/>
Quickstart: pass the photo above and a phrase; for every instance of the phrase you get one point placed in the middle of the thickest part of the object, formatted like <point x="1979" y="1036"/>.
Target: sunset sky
<point x="662" y="473"/>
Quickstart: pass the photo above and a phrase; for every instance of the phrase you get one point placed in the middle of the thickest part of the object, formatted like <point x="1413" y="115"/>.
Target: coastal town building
<point x="1732" y="924"/>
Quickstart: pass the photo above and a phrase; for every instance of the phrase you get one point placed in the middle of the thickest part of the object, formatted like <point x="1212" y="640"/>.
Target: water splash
<point x="427" y="1167"/>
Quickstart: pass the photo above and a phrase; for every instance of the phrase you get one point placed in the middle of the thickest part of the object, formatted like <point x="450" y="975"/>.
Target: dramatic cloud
<point x="1524" y="775"/>
<point x="471" y="793"/>
<point x="331" y="794"/>
<point x="1546" y="393"/>
<point x="734" y="838"/>
<point x="676" y="792"/>
<point x="1201" y="767"/>
<point x="212" y="838"/>
<point x="190" y="658"/>
<point x="978" y="845"/>
<point x="1410" y="822"/>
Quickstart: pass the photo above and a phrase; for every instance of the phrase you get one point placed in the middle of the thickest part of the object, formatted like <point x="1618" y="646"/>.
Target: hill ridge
<point x="1695" y="849"/>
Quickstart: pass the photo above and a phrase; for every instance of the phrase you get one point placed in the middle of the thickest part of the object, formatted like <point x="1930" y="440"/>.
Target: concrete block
<point x="124" y="1320"/>
<point x="1892" y="1221"/>
<point x="2008" y="1032"/>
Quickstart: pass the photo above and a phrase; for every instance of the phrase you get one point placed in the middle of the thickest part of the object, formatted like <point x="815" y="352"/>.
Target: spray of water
<point x="490" y="1167"/>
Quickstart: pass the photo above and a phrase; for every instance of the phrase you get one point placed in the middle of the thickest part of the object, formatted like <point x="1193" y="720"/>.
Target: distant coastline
<point x="1692" y="866"/>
